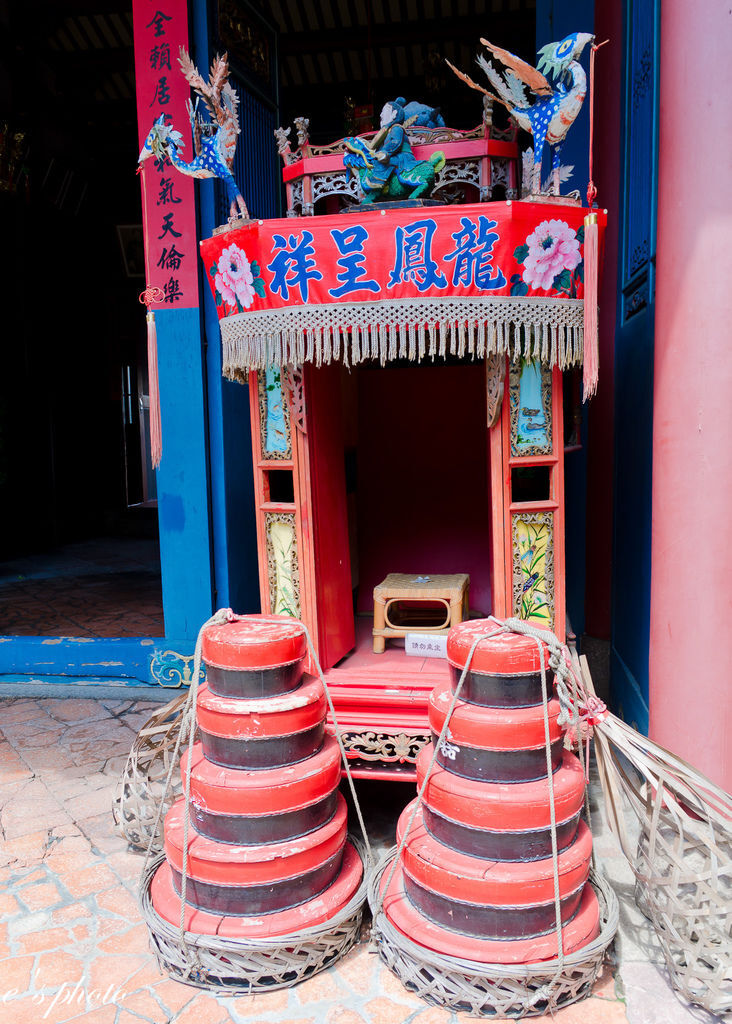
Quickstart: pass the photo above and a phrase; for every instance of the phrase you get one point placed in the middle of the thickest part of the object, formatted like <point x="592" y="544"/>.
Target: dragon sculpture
<point x="546" y="111"/>
<point x="214" y="141"/>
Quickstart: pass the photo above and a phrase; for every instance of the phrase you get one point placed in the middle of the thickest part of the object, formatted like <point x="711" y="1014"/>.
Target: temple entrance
<point x="417" y="466"/>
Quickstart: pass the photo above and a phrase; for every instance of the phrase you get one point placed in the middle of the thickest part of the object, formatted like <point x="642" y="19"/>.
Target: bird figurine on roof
<point x="546" y="111"/>
<point x="214" y="141"/>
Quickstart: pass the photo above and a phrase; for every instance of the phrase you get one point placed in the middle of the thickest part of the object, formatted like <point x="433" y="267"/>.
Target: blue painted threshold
<point x="151" y="663"/>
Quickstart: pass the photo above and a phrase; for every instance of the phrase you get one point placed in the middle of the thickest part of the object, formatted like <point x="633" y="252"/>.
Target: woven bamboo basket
<point x="238" y="966"/>
<point x="142" y="785"/>
<point x="493" y="990"/>
<point x="683" y="859"/>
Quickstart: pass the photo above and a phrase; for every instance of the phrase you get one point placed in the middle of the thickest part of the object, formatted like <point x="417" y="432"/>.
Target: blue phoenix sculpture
<point x="546" y="111"/>
<point x="214" y="141"/>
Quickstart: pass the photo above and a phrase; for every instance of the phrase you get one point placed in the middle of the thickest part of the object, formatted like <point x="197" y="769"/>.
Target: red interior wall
<point x="422" y="496"/>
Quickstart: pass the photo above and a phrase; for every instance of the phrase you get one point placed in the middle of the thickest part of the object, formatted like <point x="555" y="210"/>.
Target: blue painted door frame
<point x="634" y="352"/>
<point x="234" y="552"/>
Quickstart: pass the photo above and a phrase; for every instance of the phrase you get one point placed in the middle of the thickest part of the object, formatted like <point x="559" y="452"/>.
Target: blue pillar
<point x="182" y="480"/>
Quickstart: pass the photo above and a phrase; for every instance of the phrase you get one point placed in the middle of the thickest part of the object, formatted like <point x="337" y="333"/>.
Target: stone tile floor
<point x="72" y="943"/>
<point x="106" y="587"/>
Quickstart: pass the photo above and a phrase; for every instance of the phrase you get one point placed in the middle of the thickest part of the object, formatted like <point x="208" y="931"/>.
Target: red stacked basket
<point x="477" y="875"/>
<point x="267" y="850"/>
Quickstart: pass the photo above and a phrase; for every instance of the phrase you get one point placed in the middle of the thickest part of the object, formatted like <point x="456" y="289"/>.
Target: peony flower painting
<point x="236" y="280"/>
<point x="552" y="260"/>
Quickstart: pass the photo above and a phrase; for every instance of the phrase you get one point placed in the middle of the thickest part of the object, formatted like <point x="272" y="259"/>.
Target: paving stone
<point x="71" y="913"/>
<point x="385" y="1011"/>
<point x="40" y="896"/>
<point x="75" y="710"/>
<point x="342" y="1015"/>
<point x="102" y="1015"/>
<point x="88" y="880"/>
<point x="144" y="1004"/>
<point x="88" y="805"/>
<point x="258" y="1003"/>
<point x="32" y="1009"/>
<point x="647" y="996"/>
<point x="45" y="938"/>
<point x="592" y="1011"/>
<point x="323" y="987"/>
<point x="203" y="1009"/>
<point x="113" y="970"/>
<point x="390" y="985"/>
<point x="145" y="977"/>
<point x="358" y="968"/>
<point x="57" y="967"/>
<point x="432" y="1015"/>
<point x="173" y="994"/>
<point x="9" y="906"/>
<point x="15" y="977"/>
<point x="118" y="901"/>
<point x="19" y="713"/>
<point x="135" y="940"/>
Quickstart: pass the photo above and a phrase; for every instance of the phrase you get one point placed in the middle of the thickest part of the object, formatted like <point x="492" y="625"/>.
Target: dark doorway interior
<point x="76" y="498"/>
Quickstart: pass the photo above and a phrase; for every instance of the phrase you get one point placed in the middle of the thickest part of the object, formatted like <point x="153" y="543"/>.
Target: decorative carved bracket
<point x="495" y="374"/>
<point x="383" y="746"/>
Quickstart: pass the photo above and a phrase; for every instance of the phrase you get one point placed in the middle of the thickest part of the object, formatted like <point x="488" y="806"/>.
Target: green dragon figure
<point x="388" y="169"/>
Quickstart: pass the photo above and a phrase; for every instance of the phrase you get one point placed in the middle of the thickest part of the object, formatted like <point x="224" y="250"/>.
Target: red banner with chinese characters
<point x="487" y="249"/>
<point x="292" y="289"/>
<point x="160" y="29"/>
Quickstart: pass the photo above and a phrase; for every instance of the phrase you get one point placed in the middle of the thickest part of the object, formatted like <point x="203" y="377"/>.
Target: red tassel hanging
<point x="156" y="439"/>
<point x="592" y="259"/>
<point x="591" y="356"/>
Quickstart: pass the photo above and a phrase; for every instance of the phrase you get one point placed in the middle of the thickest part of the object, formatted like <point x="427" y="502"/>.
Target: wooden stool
<point x="450" y="590"/>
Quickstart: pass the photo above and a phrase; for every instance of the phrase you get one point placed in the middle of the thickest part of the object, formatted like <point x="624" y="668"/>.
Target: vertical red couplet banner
<point x="161" y="28"/>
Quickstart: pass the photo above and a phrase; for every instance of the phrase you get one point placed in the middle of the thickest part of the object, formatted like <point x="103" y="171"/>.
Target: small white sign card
<point x="425" y="645"/>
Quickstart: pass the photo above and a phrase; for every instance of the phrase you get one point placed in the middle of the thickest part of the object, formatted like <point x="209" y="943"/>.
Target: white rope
<point x="552" y="809"/>
<point x="430" y="766"/>
<point x="344" y="756"/>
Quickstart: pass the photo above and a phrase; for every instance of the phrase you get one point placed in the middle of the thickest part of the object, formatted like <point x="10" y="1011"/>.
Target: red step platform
<point x="267" y="852"/>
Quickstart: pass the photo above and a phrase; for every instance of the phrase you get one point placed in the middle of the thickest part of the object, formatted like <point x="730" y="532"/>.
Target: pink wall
<point x="691" y="602"/>
<point x="423" y="476"/>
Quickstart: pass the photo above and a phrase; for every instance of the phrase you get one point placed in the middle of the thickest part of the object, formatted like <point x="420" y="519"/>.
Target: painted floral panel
<point x="282" y="563"/>
<point x="551" y="258"/>
<point x="533" y="567"/>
